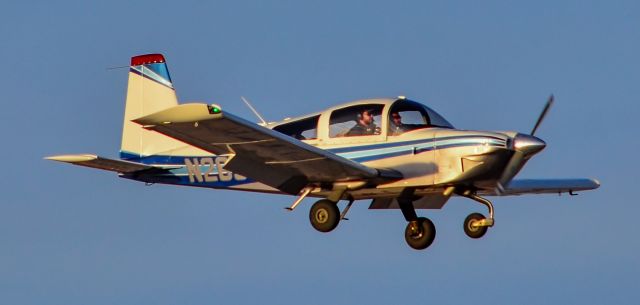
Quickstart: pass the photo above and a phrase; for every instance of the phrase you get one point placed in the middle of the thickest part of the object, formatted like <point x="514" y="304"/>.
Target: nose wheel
<point x="476" y="224"/>
<point x="324" y="215"/>
<point x="472" y="225"/>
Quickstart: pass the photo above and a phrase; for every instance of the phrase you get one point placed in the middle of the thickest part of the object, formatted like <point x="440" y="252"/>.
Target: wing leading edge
<point x="264" y="155"/>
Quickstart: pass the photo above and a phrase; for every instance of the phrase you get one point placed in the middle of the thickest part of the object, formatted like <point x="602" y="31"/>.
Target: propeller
<point x="524" y="146"/>
<point x="543" y="114"/>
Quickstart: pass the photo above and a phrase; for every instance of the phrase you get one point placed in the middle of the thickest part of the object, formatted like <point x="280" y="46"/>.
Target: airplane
<point x="395" y="152"/>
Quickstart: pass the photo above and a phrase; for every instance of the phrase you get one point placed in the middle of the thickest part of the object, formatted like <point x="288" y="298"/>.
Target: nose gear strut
<point x="476" y="225"/>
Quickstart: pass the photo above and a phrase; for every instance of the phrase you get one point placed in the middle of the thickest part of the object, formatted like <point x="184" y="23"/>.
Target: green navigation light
<point x="214" y="109"/>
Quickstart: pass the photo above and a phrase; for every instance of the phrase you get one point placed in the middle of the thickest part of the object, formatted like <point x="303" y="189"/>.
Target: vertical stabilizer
<point x="149" y="90"/>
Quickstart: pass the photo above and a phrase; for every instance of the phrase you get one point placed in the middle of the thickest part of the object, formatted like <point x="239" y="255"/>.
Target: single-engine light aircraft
<point x="396" y="152"/>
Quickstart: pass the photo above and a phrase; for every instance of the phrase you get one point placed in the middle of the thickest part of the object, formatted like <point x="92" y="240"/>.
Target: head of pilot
<point x="396" y="119"/>
<point x="365" y="117"/>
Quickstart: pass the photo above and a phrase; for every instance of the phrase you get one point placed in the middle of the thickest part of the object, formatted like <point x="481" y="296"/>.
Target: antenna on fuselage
<point x="264" y="123"/>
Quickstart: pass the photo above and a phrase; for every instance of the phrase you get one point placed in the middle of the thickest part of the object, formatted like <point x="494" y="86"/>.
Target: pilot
<point x="396" y="126"/>
<point x="364" y="125"/>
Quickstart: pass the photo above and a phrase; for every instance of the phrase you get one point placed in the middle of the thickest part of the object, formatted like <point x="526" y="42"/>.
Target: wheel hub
<point x="322" y="216"/>
<point x="416" y="233"/>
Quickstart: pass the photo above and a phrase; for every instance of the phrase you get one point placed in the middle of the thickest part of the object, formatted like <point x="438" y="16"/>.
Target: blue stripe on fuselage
<point x="361" y="153"/>
<point x="385" y="145"/>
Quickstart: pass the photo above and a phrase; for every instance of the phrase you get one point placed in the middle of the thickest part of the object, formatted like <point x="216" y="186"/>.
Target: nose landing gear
<point x="472" y="225"/>
<point x="476" y="224"/>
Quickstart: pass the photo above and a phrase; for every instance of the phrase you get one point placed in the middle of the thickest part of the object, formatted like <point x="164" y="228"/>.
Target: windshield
<point x="408" y="115"/>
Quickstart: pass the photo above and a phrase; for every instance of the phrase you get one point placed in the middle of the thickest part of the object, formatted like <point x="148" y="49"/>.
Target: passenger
<point x="396" y="127"/>
<point x="364" y="125"/>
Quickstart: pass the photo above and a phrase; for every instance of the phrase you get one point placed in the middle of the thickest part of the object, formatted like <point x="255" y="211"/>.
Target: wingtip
<point x="72" y="158"/>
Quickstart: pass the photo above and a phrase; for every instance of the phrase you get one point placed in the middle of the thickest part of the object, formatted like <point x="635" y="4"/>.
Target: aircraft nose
<point x="528" y="144"/>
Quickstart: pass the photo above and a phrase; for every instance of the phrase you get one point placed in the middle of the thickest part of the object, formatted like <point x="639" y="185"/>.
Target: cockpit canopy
<point x="365" y="118"/>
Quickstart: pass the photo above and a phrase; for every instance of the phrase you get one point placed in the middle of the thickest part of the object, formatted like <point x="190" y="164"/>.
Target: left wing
<point x="257" y="152"/>
<point x="548" y="186"/>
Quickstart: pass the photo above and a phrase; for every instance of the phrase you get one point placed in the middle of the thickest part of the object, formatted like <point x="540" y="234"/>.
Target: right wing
<point x="260" y="153"/>
<point x="549" y="186"/>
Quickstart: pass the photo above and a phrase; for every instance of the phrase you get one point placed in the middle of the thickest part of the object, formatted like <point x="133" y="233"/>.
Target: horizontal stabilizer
<point x="94" y="161"/>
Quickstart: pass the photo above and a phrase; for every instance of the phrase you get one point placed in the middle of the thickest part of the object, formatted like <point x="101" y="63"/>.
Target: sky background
<point x="71" y="235"/>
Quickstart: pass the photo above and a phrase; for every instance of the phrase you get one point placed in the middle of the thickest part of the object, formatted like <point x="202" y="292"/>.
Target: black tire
<point x="471" y="231"/>
<point x="324" y="215"/>
<point x="424" y="237"/>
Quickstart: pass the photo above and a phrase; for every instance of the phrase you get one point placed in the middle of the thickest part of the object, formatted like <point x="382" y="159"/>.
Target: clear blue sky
<point x="71" y="235"/>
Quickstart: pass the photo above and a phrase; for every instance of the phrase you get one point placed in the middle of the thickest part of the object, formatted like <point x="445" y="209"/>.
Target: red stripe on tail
<point x="147" y="59"/>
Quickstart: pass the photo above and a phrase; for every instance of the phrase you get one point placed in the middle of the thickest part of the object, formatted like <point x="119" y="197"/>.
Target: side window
<point x="413" y="117"/>
<point x="305" y="129"/>
<point x="359" y="120"/>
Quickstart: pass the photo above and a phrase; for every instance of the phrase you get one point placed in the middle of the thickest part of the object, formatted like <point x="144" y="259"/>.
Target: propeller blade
<point x="513" y="167"/>
<point x="543" y="114"/>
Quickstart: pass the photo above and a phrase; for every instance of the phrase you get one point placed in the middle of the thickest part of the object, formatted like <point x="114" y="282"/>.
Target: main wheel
<point x="421" y="234"/>
<point x="324" y="215"/>
<point x="471" y="230"/>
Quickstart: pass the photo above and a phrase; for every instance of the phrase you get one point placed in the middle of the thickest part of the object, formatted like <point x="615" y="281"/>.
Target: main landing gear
<point x="420" y="231"/>
<point x="324" y="215"/>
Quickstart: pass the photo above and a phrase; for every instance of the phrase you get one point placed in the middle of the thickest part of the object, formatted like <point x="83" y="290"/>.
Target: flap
<point x="430" y="201"/>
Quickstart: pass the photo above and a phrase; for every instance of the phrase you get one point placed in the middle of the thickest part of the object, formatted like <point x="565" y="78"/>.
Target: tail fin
<point x="149" y="90"/>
